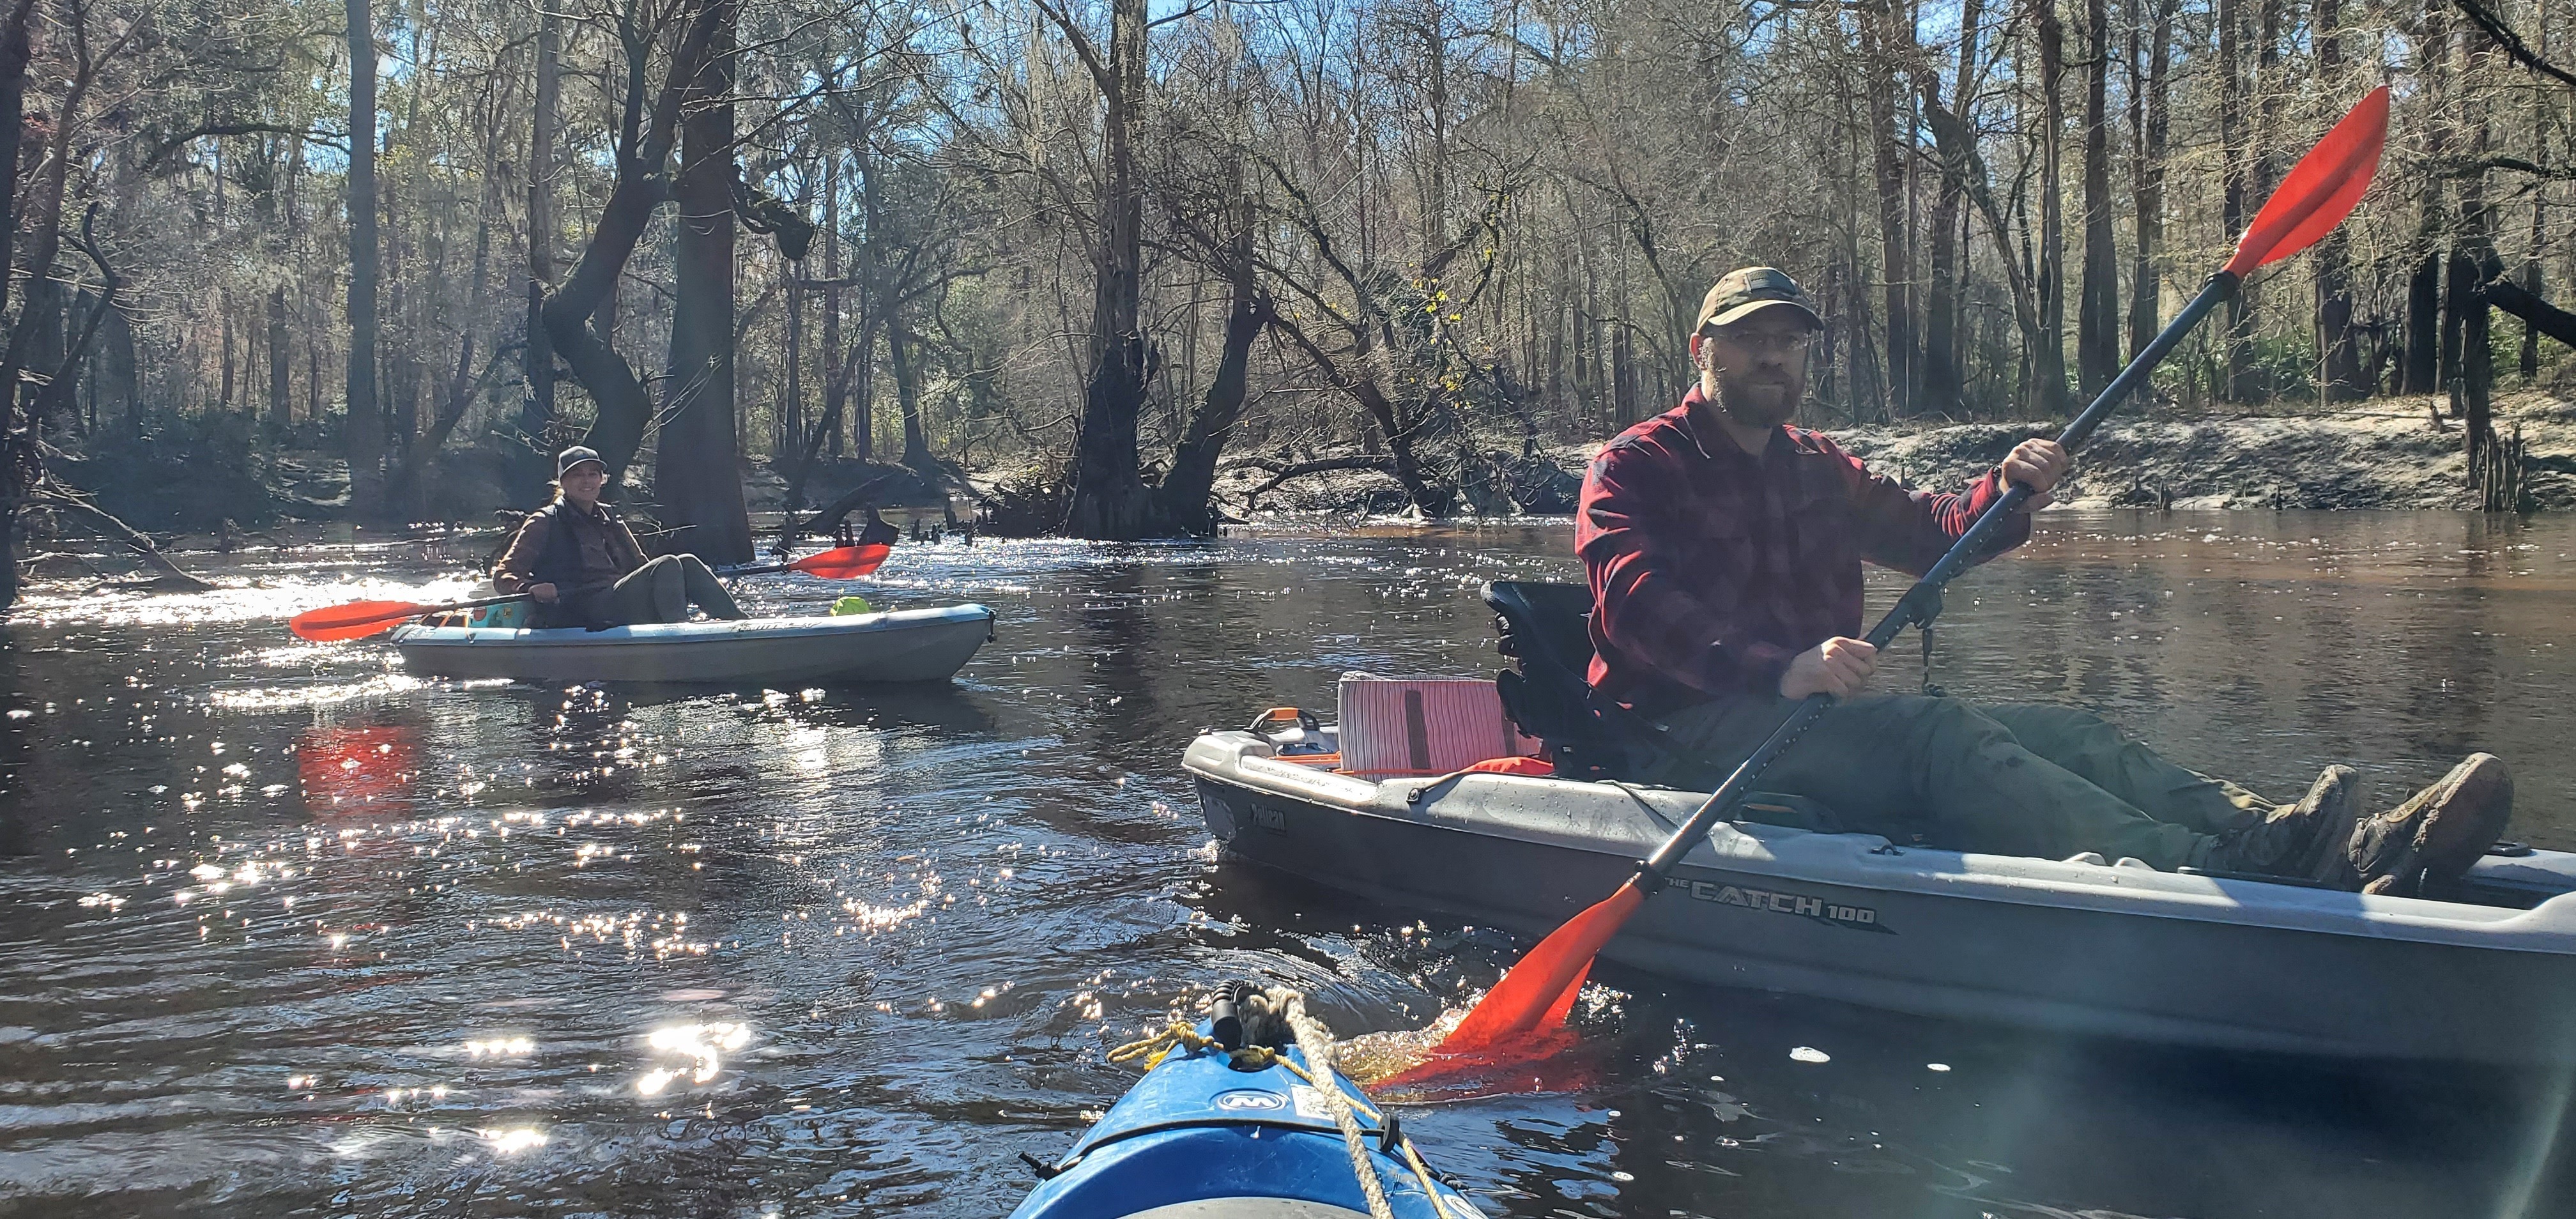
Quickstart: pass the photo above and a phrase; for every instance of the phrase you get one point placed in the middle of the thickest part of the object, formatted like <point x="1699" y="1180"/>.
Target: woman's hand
<point x="544" y="593"/>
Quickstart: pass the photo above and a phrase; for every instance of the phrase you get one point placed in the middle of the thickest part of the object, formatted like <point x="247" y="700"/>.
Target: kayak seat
<point x="1546" y="630"/>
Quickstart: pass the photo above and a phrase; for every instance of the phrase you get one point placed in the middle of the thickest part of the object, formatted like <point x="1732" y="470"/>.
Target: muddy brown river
<point x="285" y="932"/>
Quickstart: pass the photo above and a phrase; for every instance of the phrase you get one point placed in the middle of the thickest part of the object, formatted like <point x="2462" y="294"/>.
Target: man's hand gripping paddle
<point x="1538" y="991"/>
<point x="359" y="619"/>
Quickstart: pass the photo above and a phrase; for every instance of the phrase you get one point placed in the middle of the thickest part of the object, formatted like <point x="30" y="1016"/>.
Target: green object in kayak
<point x="852" y="604"/>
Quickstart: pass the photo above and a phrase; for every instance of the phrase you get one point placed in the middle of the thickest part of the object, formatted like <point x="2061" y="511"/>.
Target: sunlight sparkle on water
<point x="514" y="1139"/>
<point x="705" y="1043"/>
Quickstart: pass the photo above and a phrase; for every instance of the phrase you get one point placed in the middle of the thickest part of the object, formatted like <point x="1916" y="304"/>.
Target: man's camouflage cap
<point x="1749" y="290"/>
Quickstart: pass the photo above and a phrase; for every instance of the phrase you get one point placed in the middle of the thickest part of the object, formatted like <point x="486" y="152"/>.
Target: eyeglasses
<point x="1764" y="340"/>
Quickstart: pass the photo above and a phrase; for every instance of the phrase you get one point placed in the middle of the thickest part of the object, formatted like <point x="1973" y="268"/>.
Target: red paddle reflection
<point x="345" y="766"/>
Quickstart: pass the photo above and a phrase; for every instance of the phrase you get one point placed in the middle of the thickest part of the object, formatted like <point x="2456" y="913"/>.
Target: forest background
<point x="1118" y="248"/>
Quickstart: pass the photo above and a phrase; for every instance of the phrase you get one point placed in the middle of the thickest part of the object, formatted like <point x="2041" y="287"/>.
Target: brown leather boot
<point x="2423" y="847"/>
<point x="2305" y="841"/>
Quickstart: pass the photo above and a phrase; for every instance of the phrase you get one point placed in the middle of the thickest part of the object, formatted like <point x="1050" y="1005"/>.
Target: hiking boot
<point x="2423" y="847"/>
<point x="2305" y="841"/>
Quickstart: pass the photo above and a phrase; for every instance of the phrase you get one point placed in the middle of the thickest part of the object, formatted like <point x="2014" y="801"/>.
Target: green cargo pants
<point x="2016" y="779"/>
<point x="660" y="591"/>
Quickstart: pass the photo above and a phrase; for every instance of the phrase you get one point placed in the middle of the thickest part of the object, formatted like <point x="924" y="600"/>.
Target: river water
<point x="285" y="932"/>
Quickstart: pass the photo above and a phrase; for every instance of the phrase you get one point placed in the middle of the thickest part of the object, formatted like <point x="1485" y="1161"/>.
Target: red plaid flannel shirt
<point x="1712" y="568"/>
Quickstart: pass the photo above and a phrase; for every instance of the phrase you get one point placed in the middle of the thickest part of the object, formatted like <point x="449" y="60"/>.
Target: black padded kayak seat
<point x="1546" y="629"/>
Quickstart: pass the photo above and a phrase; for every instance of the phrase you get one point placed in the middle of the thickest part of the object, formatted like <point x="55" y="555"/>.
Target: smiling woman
<point x="581" y="565"/>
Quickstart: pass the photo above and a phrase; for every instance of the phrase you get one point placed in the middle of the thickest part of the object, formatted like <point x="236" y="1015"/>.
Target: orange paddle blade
<point x="1539" y="991"/>
<point x="355" y="620"/>
<point x="843" y="562"/>
<point x="2321" y="189"/>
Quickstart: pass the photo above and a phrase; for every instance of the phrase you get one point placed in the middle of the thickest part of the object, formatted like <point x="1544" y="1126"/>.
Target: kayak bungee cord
<point x="2316" y="196"/>
<point x="1311" y="1035"/>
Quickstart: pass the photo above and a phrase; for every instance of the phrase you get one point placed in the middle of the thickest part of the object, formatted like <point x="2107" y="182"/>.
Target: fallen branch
<point x="57" y="496"/>
<point x="1280" y="473"/>
<point x="2547" y="318"/>
<point x="828" y="517"/>
<point x="31" y="562"/>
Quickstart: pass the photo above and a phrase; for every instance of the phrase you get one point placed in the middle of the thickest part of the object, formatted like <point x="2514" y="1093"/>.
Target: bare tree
<point x="366" y="420"/>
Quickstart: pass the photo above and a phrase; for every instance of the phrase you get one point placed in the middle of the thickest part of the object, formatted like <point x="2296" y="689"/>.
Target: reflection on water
<point x="290" y="933"/>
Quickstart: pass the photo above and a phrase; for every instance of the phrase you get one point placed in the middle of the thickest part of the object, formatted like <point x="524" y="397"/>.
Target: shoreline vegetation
<point x="2382" y="454"/>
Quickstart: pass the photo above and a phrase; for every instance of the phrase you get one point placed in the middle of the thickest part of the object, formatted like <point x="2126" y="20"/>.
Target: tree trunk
<point x="531" y="460"/>
<point x="1187" y="492"/>
<point x="366" y="436"/>
<point x="1864" y="396"/>
<point x="1887" y="34"/>
<point x="121" y="379"/>
<point x="791" y="406"/>
<point x="2529" y="362"/>
<point x="2467" y="346"/>
<point x="2097" y="322"/>
<point x="862" y="378"/>
<point x="1959" y="157"/>
<point x="2236" y="168"/>
<point x="2048" y="360"/>
<point x="313" y="328"/>
<point x="2152" y="127"/>
<point x="1109" y="499"/>
<point x="281" y="399"/>
<point x="2459" y="288"/>
<point x="697" y="475"/>
<point x="903" y="354"/>
<point x="223" y="315"/>
<point x="398" y="362"/>
<point x="580" y="316"/>
<point x="16" y="52"/>
<point x="2339" y="373"/>
<point x="2424" y="322"/>
<point x="2424" y="372"/>
<point x="1944" y="383"/>
<point x="836" y="382"/>
<point x="1435" y="190"/>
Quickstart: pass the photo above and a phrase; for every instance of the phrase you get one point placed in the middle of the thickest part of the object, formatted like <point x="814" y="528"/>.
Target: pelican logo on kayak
<point x="1255" y="1099"/>
<point x="1859" y="918"/>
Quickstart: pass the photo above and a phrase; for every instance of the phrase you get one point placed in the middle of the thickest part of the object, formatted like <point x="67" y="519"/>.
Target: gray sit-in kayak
<point x="2078" y="946"/>
<point x="901" y="646"/>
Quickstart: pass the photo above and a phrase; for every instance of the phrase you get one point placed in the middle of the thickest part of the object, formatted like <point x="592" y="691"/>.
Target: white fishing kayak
<point x="2075" y="946"/>
<point x="900" y="646"/>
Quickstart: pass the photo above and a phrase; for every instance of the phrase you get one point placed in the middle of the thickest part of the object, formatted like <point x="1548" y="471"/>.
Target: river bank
<point x="2387" y="453"/>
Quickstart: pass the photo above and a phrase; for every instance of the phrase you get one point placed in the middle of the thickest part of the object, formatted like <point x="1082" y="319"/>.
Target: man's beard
<point x="1745" y="407"/>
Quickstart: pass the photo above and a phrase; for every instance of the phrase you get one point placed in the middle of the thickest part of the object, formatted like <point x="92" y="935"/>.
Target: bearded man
<point x="1724" y="550"/>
